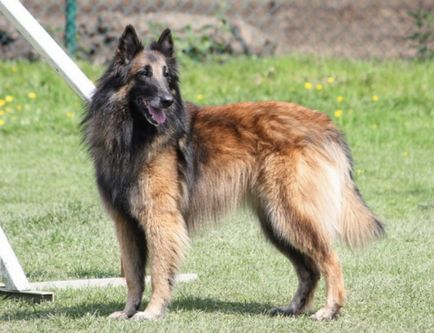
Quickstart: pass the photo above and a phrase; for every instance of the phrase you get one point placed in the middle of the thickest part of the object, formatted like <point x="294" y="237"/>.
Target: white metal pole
<point x="47" y="47"/>
<point x="15" y="279"/>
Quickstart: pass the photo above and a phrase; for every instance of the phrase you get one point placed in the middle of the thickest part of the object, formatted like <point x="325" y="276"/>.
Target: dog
<point x="162" y="166"/>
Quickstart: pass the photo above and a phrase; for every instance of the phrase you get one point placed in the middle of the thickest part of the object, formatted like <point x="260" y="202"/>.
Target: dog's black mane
<point x="120" y="140"/>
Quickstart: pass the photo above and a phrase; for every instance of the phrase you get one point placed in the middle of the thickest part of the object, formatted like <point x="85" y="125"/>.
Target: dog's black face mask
<point x="151" y="75"/>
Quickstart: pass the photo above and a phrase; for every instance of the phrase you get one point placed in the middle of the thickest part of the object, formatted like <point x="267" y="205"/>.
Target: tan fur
<point x="133" y="253"/>
<point x="356" y="220"/>
<point x="149" y="58"/>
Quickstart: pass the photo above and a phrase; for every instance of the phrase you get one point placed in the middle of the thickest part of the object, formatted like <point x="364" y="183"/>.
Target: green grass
<point x="50" y="210"/>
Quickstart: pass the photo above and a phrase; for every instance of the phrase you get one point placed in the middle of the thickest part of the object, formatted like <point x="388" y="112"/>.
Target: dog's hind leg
<point x="307" y="270"/>
<point x="133" y="248"/>
<point x="298" y="206"/>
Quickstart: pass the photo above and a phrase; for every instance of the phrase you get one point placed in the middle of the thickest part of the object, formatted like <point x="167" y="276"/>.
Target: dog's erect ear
<point x="164" y="44"/>
<point x="129" y="45"/>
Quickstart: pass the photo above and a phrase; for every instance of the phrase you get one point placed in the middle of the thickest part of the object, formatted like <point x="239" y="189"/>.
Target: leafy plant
<point x="423" y="37"/>
<point x="201" y="44"/>
<point x="5" y="38"/>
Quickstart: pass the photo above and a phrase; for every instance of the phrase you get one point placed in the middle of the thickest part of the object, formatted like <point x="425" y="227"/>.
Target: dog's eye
<point x="147" y="71"/>
<point x="165" y="71"/>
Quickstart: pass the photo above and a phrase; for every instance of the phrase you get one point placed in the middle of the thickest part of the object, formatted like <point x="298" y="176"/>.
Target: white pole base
<point x="36" y="295"/>
<point x="106" y="282"/>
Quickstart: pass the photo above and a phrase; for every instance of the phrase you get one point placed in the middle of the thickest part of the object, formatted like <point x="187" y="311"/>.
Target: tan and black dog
<point x="163" y="166"/>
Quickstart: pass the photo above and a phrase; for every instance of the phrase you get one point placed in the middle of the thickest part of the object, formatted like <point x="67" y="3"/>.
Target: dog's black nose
<point x="166" y="101"/>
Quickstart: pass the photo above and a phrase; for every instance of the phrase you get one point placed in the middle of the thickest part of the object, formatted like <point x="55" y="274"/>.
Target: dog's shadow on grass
<point x="216" y="305"/>
<point x="29" y="312"/>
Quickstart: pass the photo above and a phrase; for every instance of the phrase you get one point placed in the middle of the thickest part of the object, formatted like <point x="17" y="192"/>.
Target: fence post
<point x="70" y="27"/>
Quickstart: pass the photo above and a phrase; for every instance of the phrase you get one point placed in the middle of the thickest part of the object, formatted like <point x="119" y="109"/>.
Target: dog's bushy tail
<point x="358" y="225"/>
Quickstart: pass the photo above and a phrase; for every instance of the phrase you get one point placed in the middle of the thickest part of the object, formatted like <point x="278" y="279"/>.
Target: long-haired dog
<point x="163" y="165"/>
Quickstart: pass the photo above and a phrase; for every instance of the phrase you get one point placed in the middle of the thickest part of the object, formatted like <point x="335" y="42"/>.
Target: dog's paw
<point x="325" y="314"/>
<point x="283" y="311"/>
<point x="146" y="315"/>
<point x="119" y="315"/>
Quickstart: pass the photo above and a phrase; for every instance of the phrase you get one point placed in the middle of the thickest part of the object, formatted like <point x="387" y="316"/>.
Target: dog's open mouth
<point x="156" y="116"/>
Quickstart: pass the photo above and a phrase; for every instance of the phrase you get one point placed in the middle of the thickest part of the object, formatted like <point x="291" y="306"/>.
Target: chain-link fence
<point x="344" y="28"/>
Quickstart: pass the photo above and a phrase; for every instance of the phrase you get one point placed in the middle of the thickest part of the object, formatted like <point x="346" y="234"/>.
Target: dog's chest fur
<point x="132" y="170"/>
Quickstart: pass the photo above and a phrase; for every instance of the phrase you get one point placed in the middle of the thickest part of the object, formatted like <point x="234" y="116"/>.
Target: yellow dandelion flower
<point x="2" y="102"/>
<point x="308" y="85"/>
<point x="340" y="99"/>
<point x="375" y="98"/>
<point x="330" y="79"/>
<point x="14" y="69"/>
<point x="9" y="98"/>
<point x="32" y="95"/>
<point x="374" y="126"/>
<point x="199" y="97"/>
<point x="2" y="113"/>
<point x="405" y="153"/>
<point x="2" y="122"/>
<point x="319" y="87"/>
<point x="70" y="114"/>
<point x="339" y="113"/>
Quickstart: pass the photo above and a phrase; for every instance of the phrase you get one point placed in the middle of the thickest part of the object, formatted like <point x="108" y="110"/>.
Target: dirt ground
<point x="343" y="28"/>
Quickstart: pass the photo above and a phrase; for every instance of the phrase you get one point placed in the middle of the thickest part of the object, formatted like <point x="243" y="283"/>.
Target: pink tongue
<point x="158" y="115"/>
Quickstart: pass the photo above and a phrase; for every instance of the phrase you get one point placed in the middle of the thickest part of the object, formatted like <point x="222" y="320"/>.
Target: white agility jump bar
<point x="47" y="47"/>
<point x="15" y="278"/>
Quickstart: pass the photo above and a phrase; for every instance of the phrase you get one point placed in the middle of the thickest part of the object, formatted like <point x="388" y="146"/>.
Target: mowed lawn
<point x="50" y="210"/>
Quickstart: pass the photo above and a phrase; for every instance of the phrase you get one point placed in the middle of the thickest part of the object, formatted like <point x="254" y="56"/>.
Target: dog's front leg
<point x="166" y="237"/>
<point x="133" y="248"/>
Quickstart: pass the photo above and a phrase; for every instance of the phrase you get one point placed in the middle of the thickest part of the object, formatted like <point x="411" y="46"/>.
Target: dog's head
<point x="149" y="74"/>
